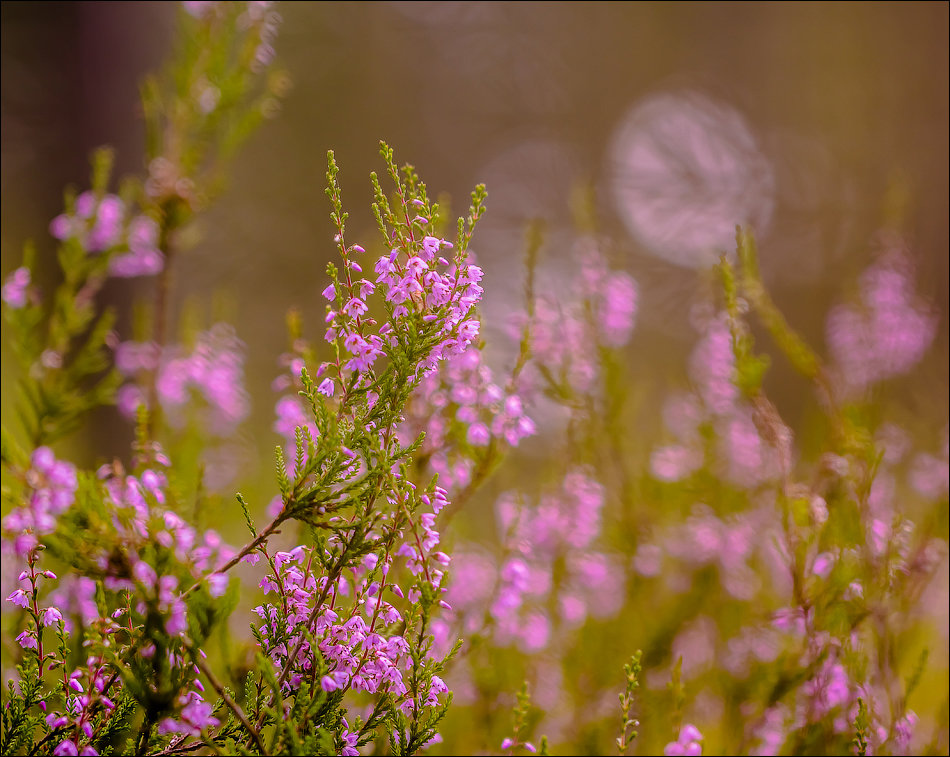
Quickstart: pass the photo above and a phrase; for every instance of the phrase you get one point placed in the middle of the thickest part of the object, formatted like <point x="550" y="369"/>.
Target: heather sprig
<point x="632" y="671"/>
<point x="522" y="715"/>
<point x="443" y="528"/>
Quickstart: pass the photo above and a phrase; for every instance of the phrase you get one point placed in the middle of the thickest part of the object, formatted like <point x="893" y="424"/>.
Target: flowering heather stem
<point x="332" y="576"/>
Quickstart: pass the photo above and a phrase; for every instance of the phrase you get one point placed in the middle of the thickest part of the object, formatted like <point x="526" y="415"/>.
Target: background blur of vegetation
<point x="840" y="112"/>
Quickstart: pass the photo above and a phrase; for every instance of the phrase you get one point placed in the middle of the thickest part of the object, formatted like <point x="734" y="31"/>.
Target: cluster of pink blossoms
<point x="741" y="454"/>
<point x="689" y="743"/>
<point x="356" y="646"/>
<point x="888" y="333"/>
<point x="421" y="281"/>
<point x="142" y="526"/>
<point x="16" y="289"/>
<point x="732" y="544"/>
<point x="356" y="650"/>
<point x="52" y="486"/>
<point x="462" y="410"/>
<point x="214" y="369"/>
<point x="562" y="527"/>
<point x="102" y="223"/>
<point x="141" y="522"/>
<point x="565" y="331"/>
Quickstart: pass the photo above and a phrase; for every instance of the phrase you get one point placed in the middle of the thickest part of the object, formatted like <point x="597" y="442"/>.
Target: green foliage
<point x="22" y="725"/>
<point x="862" y="723"/>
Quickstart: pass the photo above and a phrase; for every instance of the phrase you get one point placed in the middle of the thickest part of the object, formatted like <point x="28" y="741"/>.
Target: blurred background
<point x="815" y="123"/>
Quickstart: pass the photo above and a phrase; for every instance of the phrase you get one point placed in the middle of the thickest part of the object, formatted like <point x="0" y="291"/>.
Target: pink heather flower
<point x="930" y="475"/>
<point x="349" y="743"/>
<point x="326" y="387"/>
<point x="478" y="434"/>
<point x="328" y="683"/>
<point x="823" y="564"/>
<point x="134" y="357"/>
<point x="66" y="747"/>
<point x="675" y="462"/>
<point x="618" y="309"/>
<point x="55" y="720"/>
<point x="14" y="291"/>
<point x="355" y="343"/>
<point x="197" y="714"/>
<point x="888" y="333"/>
<point x="217" y="584"/>
<point x="688" y="743"/>
<point x="430" y="247"/>
<point x="290" y="415"/>
<point x="19" y="598"/>
<point x="145" y="573"/>
<point x="129" y="399"/>
<point x="904" y="731"/>
<point x="147" y="262"/>
<point x="176" y="624"/>
<point x="712" y="366"/>
<point x="51" y="615"/>
<point x="507" y="743"/>
<point x="330" y="292"/>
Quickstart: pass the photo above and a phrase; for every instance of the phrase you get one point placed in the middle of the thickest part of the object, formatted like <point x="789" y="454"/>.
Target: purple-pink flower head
<point x="16" y="288"/>
<point x="888" y="332"/>
<point x="712" y="366"/>
<point x="53" y="483"/>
